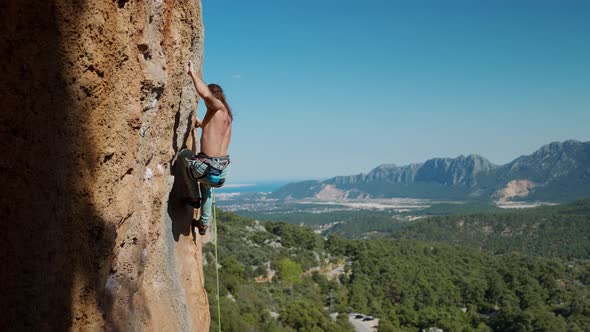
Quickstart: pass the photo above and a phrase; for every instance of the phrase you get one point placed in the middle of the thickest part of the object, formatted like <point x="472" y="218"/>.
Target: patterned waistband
<point x="217" y="162"/>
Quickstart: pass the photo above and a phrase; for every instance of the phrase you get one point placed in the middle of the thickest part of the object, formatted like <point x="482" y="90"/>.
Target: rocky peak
<point x="551" y="161"/>
<point x="452" y="171"/>
<point x="556" y="149"/>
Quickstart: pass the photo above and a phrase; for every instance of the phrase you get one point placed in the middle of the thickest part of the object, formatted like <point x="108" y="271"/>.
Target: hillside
<point x="556" y="172"/>
<point x="561" y="231"/>
<point x="262" y="282"/>
<point x="409" y="285"/>
<point x="551" y="231"/>
<point x="417" y="285"/>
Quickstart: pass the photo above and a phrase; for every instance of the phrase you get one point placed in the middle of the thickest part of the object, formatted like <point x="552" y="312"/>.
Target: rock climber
<point x="210" y="166"/>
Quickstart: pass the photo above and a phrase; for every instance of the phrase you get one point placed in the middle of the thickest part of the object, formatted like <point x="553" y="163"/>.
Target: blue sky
<point x="323" y="88"/>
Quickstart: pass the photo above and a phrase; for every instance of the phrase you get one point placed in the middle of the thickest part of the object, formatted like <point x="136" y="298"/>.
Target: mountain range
<point x="559" y="171"/>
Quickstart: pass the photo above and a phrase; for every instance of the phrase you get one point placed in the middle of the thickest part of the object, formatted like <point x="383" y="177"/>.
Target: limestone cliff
<point x="96" y="102"/>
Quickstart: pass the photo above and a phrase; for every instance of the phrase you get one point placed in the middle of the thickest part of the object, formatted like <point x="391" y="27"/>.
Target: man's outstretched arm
<point x="203" y="90"/>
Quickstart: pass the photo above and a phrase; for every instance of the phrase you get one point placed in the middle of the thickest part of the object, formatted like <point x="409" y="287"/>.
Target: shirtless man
<point x="209" y="168"/>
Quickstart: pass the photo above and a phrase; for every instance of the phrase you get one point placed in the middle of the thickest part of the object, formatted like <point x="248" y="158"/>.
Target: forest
<point x="266" y="283"/>
<point x="549" y="231"/>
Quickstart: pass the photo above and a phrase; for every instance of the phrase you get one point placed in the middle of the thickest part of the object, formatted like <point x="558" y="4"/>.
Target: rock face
<point x="449" y="171"/>
<point x="432" y="179"/>
<point x="96" y="102"/>
<point x="515" y="188"/>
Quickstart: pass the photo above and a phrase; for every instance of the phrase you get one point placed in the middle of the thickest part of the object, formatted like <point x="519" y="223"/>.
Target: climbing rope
<point x="216" y="262"/>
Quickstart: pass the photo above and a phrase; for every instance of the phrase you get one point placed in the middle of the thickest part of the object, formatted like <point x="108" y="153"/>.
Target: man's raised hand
<point x="191" y="70"/>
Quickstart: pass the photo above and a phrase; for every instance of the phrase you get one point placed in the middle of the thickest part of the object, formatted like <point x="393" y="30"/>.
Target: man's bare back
<point x="217" y="122"/>
<point x="216" y="133"/>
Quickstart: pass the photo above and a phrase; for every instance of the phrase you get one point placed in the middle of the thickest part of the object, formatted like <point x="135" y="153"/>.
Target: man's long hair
<point x="217" y="91"/>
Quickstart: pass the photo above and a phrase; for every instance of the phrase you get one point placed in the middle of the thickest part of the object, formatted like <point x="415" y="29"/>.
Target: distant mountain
<point x="558" y="171"/>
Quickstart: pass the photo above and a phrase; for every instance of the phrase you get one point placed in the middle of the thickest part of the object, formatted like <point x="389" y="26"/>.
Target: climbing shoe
<point x="200" y="226"/>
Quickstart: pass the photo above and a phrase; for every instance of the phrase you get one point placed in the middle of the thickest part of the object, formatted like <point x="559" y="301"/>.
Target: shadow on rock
<point x="55" y="245"/>
<point x="179" y="211"/>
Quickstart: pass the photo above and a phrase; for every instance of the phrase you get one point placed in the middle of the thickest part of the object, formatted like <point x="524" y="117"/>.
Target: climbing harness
<point x="215" y="165"/>
<point x="216" y="262"/>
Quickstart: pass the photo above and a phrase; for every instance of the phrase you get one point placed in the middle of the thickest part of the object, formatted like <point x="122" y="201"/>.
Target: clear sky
<point x="322" y="88"/>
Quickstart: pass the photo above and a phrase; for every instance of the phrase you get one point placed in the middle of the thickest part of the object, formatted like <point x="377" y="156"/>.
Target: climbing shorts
<point x="209" y="170"/>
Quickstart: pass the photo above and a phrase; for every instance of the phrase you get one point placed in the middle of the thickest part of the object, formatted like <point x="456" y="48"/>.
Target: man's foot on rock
<point x="200" y="226"/>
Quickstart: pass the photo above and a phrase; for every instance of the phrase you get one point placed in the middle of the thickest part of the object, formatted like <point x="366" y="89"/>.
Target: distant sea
<point x="252" y="187"/>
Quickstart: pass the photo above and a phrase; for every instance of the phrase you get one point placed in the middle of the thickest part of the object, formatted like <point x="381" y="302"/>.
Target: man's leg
<point x="196" y="170"/>
<point x="206" y="204"/>
<point x="206" y="200"/>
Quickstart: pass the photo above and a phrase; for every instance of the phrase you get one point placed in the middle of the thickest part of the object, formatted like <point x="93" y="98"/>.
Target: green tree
<point x="336" y="245"/>
<point x="386" y="326"/>
<point x="306" y="316"/>
<point x="289" y="271"/>
<point x="343" y="322"/>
